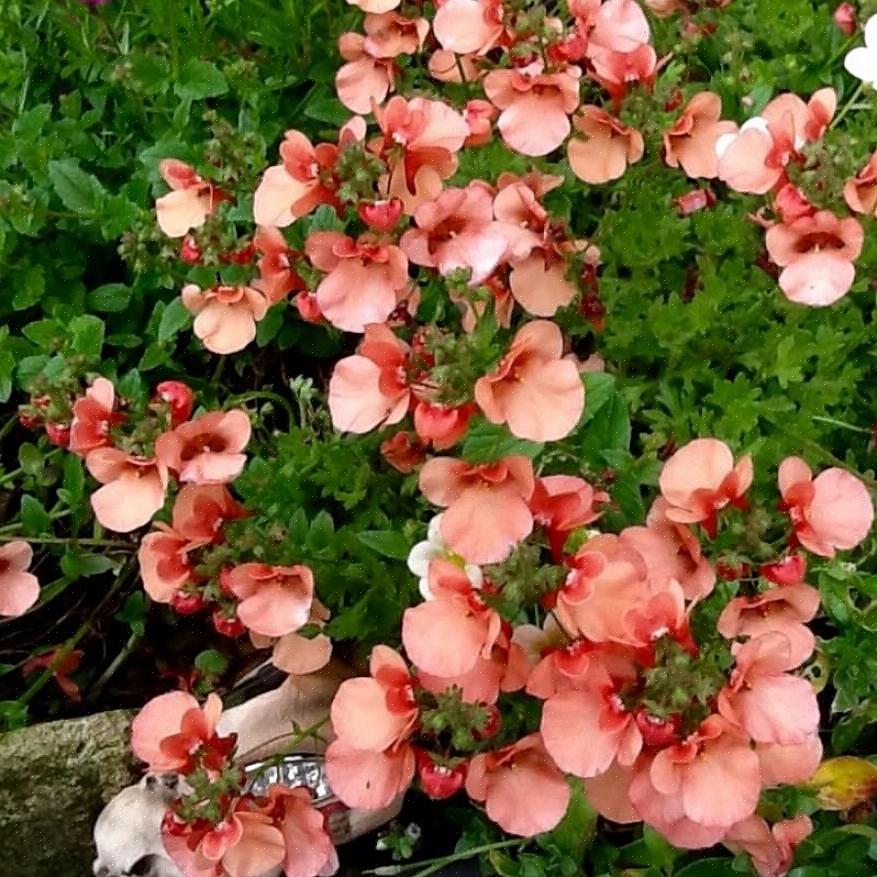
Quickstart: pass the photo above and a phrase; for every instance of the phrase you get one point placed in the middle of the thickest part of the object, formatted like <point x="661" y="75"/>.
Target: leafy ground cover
<point x="271" y="306"/>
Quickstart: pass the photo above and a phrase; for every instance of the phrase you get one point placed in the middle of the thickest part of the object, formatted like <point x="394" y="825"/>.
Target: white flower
<point x="861" y="62"/>
<point x="423" y="553"/>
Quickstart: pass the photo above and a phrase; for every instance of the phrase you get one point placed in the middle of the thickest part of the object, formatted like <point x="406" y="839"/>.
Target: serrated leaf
<point x="486" y="442"/>
<point x="198" y="80"/>
<point x="86" y="334"/>
<point x="79" y="191"/>
<point x="609" y="430"/>
<point x="389" y="543"/>
<point x="599" y="389"/>
<point x="30" y="286"/>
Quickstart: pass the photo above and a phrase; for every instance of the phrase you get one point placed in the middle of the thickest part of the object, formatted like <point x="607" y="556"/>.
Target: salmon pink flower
<point x="209" y="449"/>
<point x="782" y="610"/>
<point x="190" y="202"/>
<point x="534" y="106"/>
<point x="364" y="278"/>
<point x="860" y="193"/>
<point x="381" y="215"/>
<point x="446" y="635"/>
<point x="479" y="115"/>
<point x="691" y="141"/>
<point x="831" y="512"/>
<point x="375" y="6"/>
<point x="770" y="704"/>
<point x="299" y="655"/>
<point x="19" y="589"/>
<point x="179" y="399"/>
<point x="585" y="731"/>
<point x="442" y="426"/>
<point x="468" y="27"/>
<point x="275" y="600"/>
<point x="371" y="387"/>
<point x="164" y="566"/>
<point x="700" y="479"/>
<point x="371" y="763"/>
<point x="563" y="503"/>
<point x="303" y="180"/>
<point x="421" y="139"/>
<point x="517" y="773"/>
<point x="133" y="488"/>
<point x="771" y="848"/>
<point x="92" y="418"/>
<point x="487" y="511"/>
<point x="277" y="277"/>
<point x="172" y="730"/>
<point x="225" y="316"/>
<point x="535" y="391"/>
<point x="309" y="849"/>
<point x="816" y="254"/>
<point x="403" y="452"/>
<point x="605" y="149"/>
<point x="456" y="231"/>
<point x="695" y="790"/>
<point x="370" y="70"/>
<point x="788" y="765"/>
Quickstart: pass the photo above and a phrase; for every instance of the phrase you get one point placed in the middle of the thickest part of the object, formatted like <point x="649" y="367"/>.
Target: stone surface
<point x="54" y="780"/>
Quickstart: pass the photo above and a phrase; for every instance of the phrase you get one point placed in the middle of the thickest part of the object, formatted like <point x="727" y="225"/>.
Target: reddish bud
<point x="179" y="398"/>
<point x="696" y="199"/>
<point x="731" y="573"/>
<point x="381" y="215"/>
<point x="594" y="311"/>
<point x="173" y="826"/>
<point x="242" y="257"/>
<point x="189" y="251"/>
<point x="186" y="603"/>
<point x="845" y="19"/>
<point x="438" y="780"/>
<point x="674" y="101"/>
<point x="788" y="571"/>
<point x="442" y="425"/>
<point x="491" y="726"/>
<point x="59" y="434"/>
<point x="655" y="731"/>
<point x="308" y="308"/>
<point x="29" y="419"/>
<point x="403" y="452"/>
<point x="231" y="627"/>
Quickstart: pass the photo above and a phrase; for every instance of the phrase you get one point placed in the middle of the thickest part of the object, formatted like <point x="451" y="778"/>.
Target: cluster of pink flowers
<point x="216" y="828"/>
<point x="665" y="720"/>
<point x="189" y="566"/>
<point x="134" y="460"/>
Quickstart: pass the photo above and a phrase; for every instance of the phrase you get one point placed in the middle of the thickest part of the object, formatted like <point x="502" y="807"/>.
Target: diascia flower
<point x="831" y="512"/>
<point x="275" y="600"/>
<point x="691" y="141"/>
<point x="816" y="254"/>
<point x="365" y="278"/>
<point x="700" y="479"/>
<point x="487" y="512"/>
<point x="771" y="847"/>
<point x="225" y="316"/>
<point x="371" y="387"/>
<point x="468" y="26"/>
<point x="605" y="149"/>
<point x="371" y="761"/>
<point x="860" y="193"/>
<point x="861" y="62"/>
<point x="92" y="418"/>
<point x="534" y="106"/>
<point x="190" y="202"/>
<point x="133" y="488"/>
<point x="422" y="555"/>
<point x="172" y="731"/>
<point x="535" y="391"/>
<point x="19" y="589"/>
<point x="209" y="449"/>
<point x="524" y="793"/>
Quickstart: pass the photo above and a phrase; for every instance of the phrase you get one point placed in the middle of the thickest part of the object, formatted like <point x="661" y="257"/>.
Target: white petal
<point x="434" y="533"/>
<point x="474" y="574"/>
<point x="862" y="63"/>
<point x="425" y="592"/>
<point x="757" y="122"/>
<point x="871" y="32"/>
<point x="724" y="142"/>
<point x="420" y="556"/>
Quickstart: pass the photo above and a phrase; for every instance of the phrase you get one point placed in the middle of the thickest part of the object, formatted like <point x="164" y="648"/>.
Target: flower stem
<point x="264" y="394"/>
<point x="842" y="425"/>
<point x="300" y="737"/>
<point x="434" y="865"/>
<point x="73" y="540"/>
<point x="847" y="106"/>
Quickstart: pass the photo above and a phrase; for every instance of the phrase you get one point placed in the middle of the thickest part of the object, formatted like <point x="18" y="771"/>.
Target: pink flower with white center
<point x="457" y="231"/>
<point x="364" y="281"/>
<point x="534" y="106"/>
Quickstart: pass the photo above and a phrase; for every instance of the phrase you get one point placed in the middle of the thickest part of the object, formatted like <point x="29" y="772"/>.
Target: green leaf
<point x="174" y="318"/>
<point x="30" y="459"/>
<point x="34" y="518"/>
<point x="86" y="333"/>
<point x="211" y="662"/>
<point x="575" y="832"/>
<point x="7" y="368"/>
<point x="599" y="389"/>
<point x="486" y="442"/>
<point x="714" y="867"/>
<point x="329" y="110"/>
<point x="109" y="298"/>
<point x="199" y="80"/>
<point x="609" y="430"/>
<point x="133" y="612"/>
<point x="389" y="543"/>
<point x="74" y="479"/>
<point x="30" y="286"/>
<point x="321" y="531"/>
<point x="79" y="191"/>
